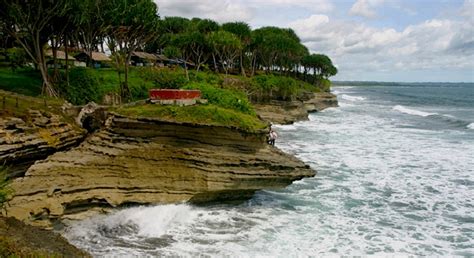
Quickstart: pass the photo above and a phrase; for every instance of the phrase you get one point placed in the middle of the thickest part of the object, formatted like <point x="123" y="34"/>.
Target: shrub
<point x="164" y="78"/>
<point x="225" y="98"/>
<point x="84" y="86"/>
<point x="277" y="87"/>
<point x="324" y="85"/>
<point x="17" y="57"/>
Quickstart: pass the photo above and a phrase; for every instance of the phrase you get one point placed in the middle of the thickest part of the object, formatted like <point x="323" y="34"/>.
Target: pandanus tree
<point x="28" y="22"/>
<point x="226" y="46"/>
<point x="243" y="32"/>
<point x="91" y="24"/>
<point x="132" y="24"/>
<point x="320" y="64"/>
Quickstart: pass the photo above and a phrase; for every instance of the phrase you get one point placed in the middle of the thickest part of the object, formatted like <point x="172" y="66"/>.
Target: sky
<point x="368" y="40"/>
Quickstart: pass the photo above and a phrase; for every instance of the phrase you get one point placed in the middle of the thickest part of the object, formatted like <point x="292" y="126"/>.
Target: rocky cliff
<point x="143" y="161"/>
<point x="34" y="136"/>
<point x="288" y="112"/>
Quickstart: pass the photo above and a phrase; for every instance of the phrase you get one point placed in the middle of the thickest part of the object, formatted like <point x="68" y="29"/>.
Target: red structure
<point x="172" y="94"/>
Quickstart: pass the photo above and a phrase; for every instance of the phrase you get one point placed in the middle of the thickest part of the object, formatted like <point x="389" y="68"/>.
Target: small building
<point x="143" y="59"/>
<point x="60" y="59"/>
<point x="176" y="97"/>
<point x="98" y="59"/>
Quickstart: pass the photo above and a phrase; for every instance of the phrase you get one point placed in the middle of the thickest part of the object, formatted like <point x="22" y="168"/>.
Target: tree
<point x="27" y="22"/>
<point x="133" y="23"/>
<point x="243" y="32"/>
<point x="226" y="46"/>
<point x="91" y="25"/>
<point x="320" y="64"/>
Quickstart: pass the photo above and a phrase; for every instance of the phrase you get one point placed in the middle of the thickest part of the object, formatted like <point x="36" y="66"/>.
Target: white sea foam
<point x="381" y="190"/>
<point x="352" y="98"/>
<point x="414" y="112"/>
<point x="470" y="126"/>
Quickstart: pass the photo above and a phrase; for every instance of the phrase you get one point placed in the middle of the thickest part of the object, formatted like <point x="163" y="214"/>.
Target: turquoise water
<point x="395" y="177"/>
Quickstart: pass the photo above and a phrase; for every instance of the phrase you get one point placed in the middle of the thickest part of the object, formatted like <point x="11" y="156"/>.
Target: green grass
<point x="199" y="114"/>
<point x="18" y="105"/>
<point x="24" y="81"/>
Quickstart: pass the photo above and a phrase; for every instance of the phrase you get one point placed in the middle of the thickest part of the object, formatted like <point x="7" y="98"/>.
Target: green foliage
<point x="200" y="114"/>
<point x="320" y="64"/>
<point x="5" y="192"/>
<point x="84" y="87"/>
<point x="324" y="85"/>
<point x="278" y="87"/>
<point x="205" y="77"/>
<point x="225" y="98"/>
<point x="17" y="58"/>
<point x="164" y="78"/>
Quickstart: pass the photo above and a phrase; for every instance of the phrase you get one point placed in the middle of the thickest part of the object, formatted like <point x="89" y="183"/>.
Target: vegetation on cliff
<point x="200" y="114"/>
<point x="134" y="25"/>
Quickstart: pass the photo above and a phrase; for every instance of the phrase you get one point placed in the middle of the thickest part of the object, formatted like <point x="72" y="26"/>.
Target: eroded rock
<point x="143" y="161"/>
<point x="288" y="112"/>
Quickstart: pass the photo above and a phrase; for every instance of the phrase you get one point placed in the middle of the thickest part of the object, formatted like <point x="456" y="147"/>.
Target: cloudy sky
<point x="368" y="40"/>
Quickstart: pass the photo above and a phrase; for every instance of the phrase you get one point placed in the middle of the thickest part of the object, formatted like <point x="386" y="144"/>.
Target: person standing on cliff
<point x="272" y="136"/>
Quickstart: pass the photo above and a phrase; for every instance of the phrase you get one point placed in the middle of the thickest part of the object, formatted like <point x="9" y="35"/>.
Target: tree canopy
<point x="126" y="26"/>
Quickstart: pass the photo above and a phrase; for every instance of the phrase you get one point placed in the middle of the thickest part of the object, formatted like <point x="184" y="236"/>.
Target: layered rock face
<point x="25" y="140"/>
<point x="143" y="161"/>
<point x="288" y="112"/>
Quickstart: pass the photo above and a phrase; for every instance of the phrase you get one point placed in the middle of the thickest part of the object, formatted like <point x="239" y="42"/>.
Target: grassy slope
<point x="23" y="81"/>
<point x="224" y="108"/>
<point x="200" y="114"/>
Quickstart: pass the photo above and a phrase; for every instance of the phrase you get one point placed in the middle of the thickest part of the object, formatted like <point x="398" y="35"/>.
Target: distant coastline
<point x="376" y="83"/>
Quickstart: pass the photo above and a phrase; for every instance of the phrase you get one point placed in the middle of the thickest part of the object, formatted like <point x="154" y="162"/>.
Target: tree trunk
<point x="242" y="69"/>
<point x="215" y="63"/>
<point x="55" y="59"/>
<point x="67" y="60"/>
<point x="125" y="89"/>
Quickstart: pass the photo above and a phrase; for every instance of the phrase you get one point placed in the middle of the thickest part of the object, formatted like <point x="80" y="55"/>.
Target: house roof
<point x="162" y="58"/>
<point x="59" y="55"/>
<point x="98" y="56"/>
<point x="145" y="55"/>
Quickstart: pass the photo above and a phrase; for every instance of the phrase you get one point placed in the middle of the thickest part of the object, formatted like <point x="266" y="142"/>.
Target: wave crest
<point x="352" y="98"/>
<point x="414" y="112"/>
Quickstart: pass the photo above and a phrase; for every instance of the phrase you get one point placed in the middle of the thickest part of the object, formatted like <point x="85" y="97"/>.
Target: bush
<point x="324" y="85"/>
<point x="277" y="87"/>
<point x="163" y="78"/>
<point x="84" y="86"/>
<point x="225" y="98"/>
<point x="17" y="57"/>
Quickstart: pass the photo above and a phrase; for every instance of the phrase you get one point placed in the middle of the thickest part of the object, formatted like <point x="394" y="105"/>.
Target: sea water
<point x="395" y="177"/>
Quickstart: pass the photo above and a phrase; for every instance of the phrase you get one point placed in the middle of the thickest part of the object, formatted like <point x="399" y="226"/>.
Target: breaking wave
<point x="414" y="112"/>
<point x="352" y="98"/>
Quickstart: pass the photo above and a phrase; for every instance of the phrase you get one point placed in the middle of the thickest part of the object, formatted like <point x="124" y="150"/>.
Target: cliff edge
<point x="288" y="112"/>
<point x="142" y="161"/>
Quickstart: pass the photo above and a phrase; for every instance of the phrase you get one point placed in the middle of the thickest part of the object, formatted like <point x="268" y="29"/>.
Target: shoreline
<point x="134" y="134"/>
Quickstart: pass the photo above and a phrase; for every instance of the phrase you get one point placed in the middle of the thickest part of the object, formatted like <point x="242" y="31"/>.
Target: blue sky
<point x="373" y="40"/>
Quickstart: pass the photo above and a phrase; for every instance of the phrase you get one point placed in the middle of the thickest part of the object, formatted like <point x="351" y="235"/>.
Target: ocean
<point x="395" y="178"/>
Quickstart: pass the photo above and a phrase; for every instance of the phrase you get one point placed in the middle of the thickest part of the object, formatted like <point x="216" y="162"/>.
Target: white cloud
<point x="432" y="44"/>
<point x="220" y="11"/>
<point x="317" y="6"/>
<point x="468" y="8"/>
<point x="365" y="8"/>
